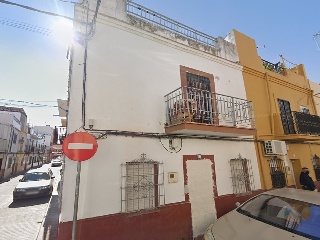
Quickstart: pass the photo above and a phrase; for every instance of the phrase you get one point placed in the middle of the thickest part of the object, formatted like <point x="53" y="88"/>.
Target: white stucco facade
<point x="128" y="73"/>
<point x="133" y="63"/>
<point x="101" y="176"/>
<point x="10" y="132"/>
<point x="46" y="132"/>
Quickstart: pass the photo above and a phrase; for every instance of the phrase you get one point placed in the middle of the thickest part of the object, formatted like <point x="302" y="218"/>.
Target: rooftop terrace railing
<point x="274" y="67"/>
<point x="149" y="15"/>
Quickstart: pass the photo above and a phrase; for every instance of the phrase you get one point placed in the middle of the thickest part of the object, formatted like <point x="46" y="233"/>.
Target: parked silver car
<point x="35" y="183"/>
<point x="277" y="214"/>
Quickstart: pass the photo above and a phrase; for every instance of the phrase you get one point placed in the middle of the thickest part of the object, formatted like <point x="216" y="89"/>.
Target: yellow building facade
<point x="287" y="121"/>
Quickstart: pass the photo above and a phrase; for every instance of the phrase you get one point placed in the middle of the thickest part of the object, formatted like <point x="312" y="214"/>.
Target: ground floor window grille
<point x="142" y="185"/>
<point x="277" y="172"/>
<point x="241" y="175"/>
<point x="316" y="166"/>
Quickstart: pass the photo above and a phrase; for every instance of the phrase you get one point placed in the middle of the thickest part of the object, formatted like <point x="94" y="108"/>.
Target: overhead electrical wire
<point x="35" y="10"/>
<point x="40" y="11"/>
<point x="20" y="103"/>
<point x="25" y="26"/>
<point x="315" y="37"/>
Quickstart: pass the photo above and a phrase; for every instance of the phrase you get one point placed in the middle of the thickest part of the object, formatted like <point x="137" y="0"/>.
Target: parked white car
<point x="56" y="162"/>
<point x="277" y="214"/>
<point x="35" y="183"/>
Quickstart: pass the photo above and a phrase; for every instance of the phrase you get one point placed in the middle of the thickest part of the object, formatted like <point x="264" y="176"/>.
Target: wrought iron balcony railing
<point x="274" y="67"/>
<point x="193" y="105"/>
<point x="306" y="123"/>
<point x="151" y="16"/>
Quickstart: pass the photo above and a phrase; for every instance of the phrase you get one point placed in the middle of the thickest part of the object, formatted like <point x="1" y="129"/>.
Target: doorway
<point x="296" y="168"/>
<point x="201" y="183"/>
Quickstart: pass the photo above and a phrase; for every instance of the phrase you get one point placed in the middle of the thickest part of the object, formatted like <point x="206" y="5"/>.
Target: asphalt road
<point x="28" y="219"/>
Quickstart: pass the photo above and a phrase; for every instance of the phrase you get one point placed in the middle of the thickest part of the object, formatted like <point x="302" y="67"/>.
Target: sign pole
<point x="76" y="201"/>
<point x="78" y="146"/>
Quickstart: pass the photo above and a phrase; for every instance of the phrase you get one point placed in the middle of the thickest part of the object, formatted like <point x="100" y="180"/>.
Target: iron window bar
<point x="277" y="172"/>
<point x="142" y="185"/>
<point x="241" y="175"/>
<point x="151" y="16"/>
<point x="306" y="123"/>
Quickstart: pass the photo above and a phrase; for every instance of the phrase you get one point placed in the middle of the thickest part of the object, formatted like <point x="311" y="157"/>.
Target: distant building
<point x="19" y="113"/>
<point x="46" y="132"/>
<point x="21" y="146"/>
<point x="9" y="144"/>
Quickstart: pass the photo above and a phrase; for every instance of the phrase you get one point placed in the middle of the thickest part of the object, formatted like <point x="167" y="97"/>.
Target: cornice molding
<point x="279" y="81"/>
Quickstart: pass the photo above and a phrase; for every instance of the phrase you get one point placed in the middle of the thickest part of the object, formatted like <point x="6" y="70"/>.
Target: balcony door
<point x="197" y="90"/>
<point x="286" y="117"/>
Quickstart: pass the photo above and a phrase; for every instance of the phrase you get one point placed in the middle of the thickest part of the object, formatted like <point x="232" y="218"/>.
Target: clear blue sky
<point x="284" y="27"/>
<point x="34" y="67"/>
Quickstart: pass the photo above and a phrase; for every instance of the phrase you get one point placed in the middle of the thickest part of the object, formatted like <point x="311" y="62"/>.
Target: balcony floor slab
<point x="298" y="137"/>
<point x="209" y="130"/>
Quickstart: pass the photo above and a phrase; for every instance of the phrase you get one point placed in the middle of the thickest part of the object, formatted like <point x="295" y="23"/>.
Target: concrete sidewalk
<point x="50" y="223"/>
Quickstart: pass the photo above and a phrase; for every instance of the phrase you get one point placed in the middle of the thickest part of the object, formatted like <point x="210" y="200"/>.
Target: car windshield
<point x="291" y="215"/>
<point x="35" y="176"/>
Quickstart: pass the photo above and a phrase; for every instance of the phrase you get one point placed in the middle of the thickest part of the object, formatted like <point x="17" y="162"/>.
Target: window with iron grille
<point x="142" y="185"/>
<point x="241" y="175"/>
<point x="277" y="172"/>
<point x="199" y="90"/>
<point x="286" y="117"/>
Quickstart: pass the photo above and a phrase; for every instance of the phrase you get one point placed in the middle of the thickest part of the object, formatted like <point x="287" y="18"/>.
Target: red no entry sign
<point x="79" y="146"/>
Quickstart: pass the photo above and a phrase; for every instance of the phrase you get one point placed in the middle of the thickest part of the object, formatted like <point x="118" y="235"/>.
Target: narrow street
<point x="28" y="219"/>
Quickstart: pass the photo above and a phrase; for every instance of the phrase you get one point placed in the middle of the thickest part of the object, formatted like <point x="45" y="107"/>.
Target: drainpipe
<point x="260" y="159"/>
<point x="270" y="107"/>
